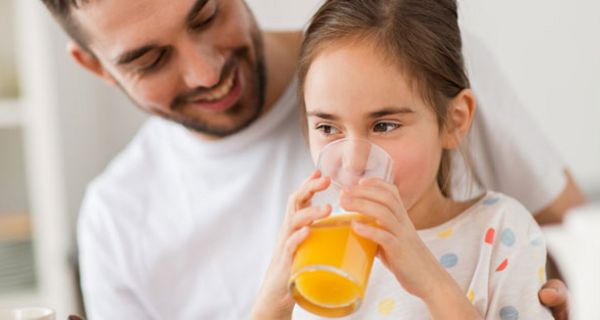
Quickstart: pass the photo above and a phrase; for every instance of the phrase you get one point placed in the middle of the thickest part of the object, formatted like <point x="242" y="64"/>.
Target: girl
<point x="391" y="72"/>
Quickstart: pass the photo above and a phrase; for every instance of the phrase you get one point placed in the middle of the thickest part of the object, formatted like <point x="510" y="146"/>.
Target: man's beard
<point x="245" y="111"/>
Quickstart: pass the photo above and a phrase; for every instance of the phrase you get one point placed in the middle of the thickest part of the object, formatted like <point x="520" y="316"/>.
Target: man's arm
<point x="570" y="197"/>
<point x="554" y="294"/>
<point x="106" y="282"/>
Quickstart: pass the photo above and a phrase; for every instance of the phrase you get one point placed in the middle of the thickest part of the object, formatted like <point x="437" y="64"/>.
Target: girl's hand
<point x="403" y="252"/>
<point x="274" y="300"/>
<point x="401" y="249"/>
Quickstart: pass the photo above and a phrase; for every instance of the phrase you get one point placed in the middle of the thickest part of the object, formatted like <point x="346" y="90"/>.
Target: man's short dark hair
<point x="62" y="11"/>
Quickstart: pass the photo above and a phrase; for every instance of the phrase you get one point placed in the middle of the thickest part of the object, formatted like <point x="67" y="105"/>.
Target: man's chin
<point x="234" y="121"/>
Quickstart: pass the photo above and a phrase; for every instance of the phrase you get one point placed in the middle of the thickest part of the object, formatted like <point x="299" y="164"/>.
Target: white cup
<point x="29" y="313"/>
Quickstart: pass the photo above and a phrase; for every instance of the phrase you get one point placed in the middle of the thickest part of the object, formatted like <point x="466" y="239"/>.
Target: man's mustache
<point x="187" y="97"/>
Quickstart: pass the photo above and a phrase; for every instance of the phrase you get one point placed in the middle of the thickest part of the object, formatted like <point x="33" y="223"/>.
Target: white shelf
<point x="10" y="113"/>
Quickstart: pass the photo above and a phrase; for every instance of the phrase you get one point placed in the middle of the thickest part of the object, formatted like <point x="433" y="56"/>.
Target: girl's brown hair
<point x="420" y="37"/>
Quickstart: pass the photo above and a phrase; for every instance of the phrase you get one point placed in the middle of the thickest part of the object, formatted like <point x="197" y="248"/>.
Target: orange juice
<point x="331" y="267"/>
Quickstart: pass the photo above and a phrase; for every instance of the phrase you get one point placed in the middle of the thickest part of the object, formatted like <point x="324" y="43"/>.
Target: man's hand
<point x="554" y="295"/>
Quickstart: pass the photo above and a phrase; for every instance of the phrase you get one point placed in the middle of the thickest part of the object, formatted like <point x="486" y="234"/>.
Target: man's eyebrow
<point x="132" y="55"/>
<point x="390" y="111"/>
<point x="198" y="6"/>
<point x="322" y="115"/>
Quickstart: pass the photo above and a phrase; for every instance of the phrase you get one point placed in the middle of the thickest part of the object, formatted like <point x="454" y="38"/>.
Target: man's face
<point x="196" y="62"/>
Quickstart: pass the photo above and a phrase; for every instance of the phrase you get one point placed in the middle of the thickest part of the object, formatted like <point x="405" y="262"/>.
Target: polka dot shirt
<point x="494" y="250"/>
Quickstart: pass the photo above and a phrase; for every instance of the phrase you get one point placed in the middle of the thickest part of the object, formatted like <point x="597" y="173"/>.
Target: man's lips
<point x="224" y="96"/>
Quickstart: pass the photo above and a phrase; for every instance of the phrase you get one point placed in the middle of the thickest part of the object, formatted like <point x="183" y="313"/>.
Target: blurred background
<point x="60" y="126"/>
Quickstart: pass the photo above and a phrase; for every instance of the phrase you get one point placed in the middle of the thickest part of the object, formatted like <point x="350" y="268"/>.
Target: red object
<point x="502" y="266"/>
<point x="489" y="236"/>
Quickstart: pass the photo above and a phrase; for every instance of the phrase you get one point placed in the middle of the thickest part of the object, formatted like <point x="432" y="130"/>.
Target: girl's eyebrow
<point x="322" y="115"/>
<point x="386" y="111"/>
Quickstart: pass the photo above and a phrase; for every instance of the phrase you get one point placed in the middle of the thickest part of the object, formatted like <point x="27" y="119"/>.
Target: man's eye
<point x="327" y="129"/>
<point x="152" y="63"/>
<point x="385" y="126"/>
<point x="204" y="19"/>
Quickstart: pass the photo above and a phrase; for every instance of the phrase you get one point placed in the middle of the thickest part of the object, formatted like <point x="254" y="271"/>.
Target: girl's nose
<point x="355" y="160"/>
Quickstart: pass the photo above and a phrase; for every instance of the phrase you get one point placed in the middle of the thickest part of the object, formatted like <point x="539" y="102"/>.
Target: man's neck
<point x="281" y="55"/>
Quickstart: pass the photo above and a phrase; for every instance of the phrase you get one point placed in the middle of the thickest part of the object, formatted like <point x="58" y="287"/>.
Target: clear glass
<point x="331" y="267"/>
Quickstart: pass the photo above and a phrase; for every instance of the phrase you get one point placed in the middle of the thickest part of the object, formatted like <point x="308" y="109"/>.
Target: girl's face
<point x="351" y="92"/>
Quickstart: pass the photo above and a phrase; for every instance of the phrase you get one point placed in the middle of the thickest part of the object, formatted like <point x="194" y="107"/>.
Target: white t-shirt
<point x="494" y="250"/>
<point x="179" y="228"/>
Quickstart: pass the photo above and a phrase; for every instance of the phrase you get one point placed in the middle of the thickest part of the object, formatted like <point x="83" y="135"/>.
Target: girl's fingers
<point x="294" y="240"/>
<point x="306" y="216"/>
<point x="382" y="214"/>
<point x="375" y="182"/>
<point x="382" y="192"/>
<point x="377" y="235"/>
<point x="301" y="198"/>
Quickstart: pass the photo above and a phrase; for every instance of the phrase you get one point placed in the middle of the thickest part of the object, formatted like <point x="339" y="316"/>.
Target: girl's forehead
<point x="357" y="79"/>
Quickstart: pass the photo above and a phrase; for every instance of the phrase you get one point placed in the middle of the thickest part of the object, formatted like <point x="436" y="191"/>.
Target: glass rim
<point x="330" y="145"/>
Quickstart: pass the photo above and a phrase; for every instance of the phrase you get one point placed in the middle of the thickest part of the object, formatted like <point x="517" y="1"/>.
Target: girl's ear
<point x="460" y="116"/>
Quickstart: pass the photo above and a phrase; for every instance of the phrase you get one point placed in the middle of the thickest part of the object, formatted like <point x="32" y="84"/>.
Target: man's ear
<point x="460" y="116"/>
<point x="89" y="62"/>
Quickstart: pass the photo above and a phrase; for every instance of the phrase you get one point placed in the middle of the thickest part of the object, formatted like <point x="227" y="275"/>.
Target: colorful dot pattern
<point x="507" y="237"/>
<point x="386" y="306"/>
<point x="502" y="266"/>
<point x="449" y="260"/>
<point x="542" y="274"/>
<point x="500" y="237"/>
<point x="491" y="201"/>
<point x="471" y="295"/>
<point x="489" y="236"/>
<point x="445" y="234"/>
<point x="509" y="313"/>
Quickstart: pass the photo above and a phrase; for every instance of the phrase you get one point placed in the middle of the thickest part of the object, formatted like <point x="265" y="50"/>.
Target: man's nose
<point x="201" y="65"/>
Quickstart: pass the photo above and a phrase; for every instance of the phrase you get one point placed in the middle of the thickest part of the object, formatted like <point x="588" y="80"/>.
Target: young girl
<point x="391" y="72"/>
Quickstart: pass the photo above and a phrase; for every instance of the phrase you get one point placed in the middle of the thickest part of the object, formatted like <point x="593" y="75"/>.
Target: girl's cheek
<point x="409" y="170"/>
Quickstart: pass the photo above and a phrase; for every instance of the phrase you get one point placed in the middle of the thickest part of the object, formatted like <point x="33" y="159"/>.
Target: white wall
<point x="549" y="49"/>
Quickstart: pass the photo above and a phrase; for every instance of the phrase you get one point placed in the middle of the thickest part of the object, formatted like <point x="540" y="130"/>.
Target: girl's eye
<point x="385" y="127"/>
<point x="327" y="129"/>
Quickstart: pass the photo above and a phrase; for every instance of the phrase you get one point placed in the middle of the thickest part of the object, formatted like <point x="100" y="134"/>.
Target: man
<point x="182" y="223"/>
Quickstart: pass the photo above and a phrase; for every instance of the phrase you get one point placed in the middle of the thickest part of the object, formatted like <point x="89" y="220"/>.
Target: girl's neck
<point x="434" y="209"/>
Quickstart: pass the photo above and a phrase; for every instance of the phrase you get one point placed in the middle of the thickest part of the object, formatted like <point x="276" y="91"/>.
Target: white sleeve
<point x="517" y="269"/>
<point x="509" y="153"/>
<point x="105" y="281"/>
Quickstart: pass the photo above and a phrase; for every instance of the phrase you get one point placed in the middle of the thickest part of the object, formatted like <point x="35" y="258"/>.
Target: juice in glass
<point x="331" y="267"/>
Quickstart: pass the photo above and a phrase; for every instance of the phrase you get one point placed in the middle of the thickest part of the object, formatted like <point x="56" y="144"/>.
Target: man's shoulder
<point x="140" y="158"/>
<point x="126" y="181"/>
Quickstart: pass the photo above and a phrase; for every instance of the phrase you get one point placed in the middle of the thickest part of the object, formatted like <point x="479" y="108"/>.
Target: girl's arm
<point x="421" y="274"/>
<point x="274" y="301"/>
<point x="445" y="300"/>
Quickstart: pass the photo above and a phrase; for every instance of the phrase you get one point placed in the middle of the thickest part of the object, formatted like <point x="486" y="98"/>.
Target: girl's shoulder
<point x="501" y="208"/>
<point x="492" y="210"/>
